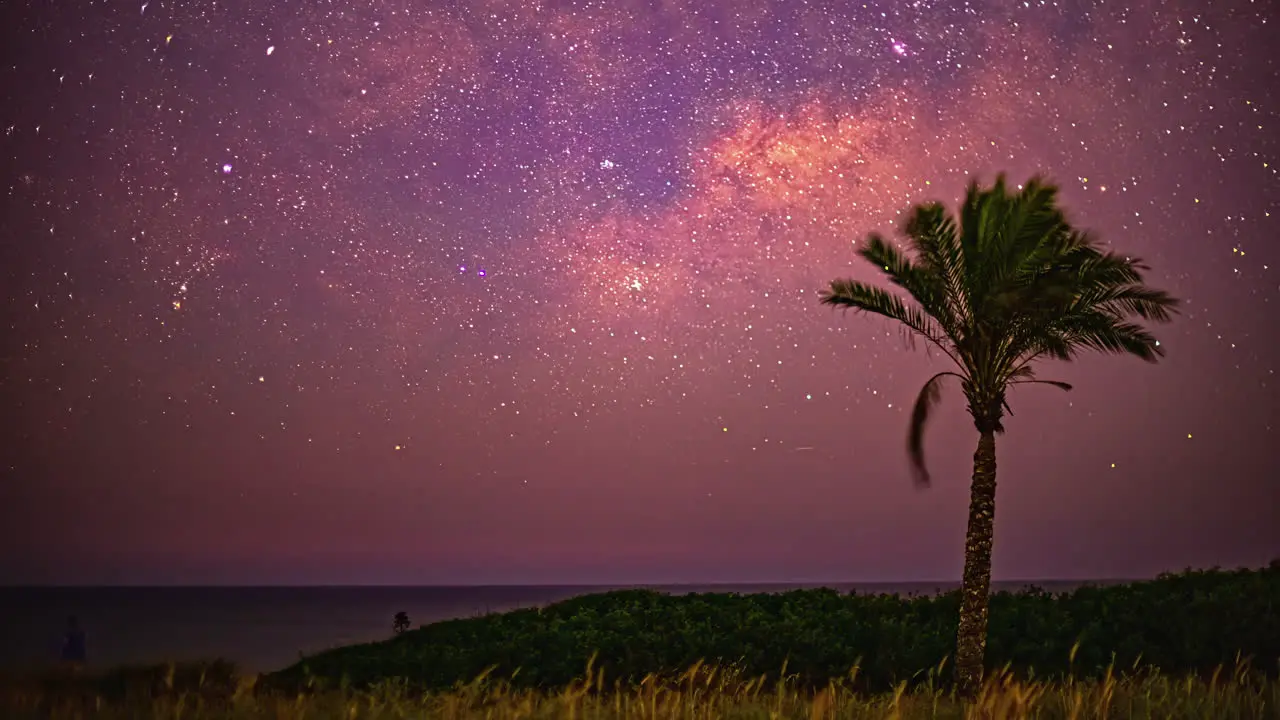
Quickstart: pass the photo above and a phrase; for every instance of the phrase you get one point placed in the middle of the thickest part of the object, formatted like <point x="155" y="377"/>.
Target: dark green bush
<point x="1188" y="622"/>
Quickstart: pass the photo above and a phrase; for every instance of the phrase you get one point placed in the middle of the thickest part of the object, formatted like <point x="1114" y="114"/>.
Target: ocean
<point x="267" y="628"/>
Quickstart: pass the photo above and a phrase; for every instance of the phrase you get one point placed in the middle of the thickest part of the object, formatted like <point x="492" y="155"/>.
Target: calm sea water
<point x="267" y="628"/>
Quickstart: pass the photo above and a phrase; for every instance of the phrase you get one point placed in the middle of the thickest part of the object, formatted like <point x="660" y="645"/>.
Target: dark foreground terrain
<point x="1197" y="644"/>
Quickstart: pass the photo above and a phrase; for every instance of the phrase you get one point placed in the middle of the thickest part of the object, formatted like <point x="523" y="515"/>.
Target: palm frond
<point x="1032" y="221"/>
<point x="1126" y="300"/>
<point x="978" y="213"/>
<point x="919" y="281"/>
<point x="932" y="234"/>
<point x="929" y="396"/>
<point x="868" y="298"/>
<point x="1086" y="289"/>
<point x="1095" y="266"/>
<point x="1055" y="383"/>
<point x="1104" y="333"/>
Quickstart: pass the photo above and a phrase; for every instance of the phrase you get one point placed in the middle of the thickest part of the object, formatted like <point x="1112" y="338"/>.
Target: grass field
<point x="213" y="691"/>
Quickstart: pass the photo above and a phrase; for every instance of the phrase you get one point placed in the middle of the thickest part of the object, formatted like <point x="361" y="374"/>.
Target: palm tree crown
<point x="1005" y="284"/>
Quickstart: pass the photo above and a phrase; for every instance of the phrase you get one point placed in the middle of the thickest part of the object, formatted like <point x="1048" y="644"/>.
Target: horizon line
<point x="805" y="584"/>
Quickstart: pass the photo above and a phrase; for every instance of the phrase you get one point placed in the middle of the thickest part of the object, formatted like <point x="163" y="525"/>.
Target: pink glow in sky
<point x="521" y="293"/>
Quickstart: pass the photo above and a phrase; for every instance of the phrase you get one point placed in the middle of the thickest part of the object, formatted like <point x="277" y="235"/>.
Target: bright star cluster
<point x="523" y="291"/>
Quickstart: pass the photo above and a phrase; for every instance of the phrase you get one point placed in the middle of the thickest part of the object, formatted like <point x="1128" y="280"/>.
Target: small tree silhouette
<point x="401" y="622"/>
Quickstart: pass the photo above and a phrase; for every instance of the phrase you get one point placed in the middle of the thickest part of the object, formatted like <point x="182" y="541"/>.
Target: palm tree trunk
<point x="971" y="639"/>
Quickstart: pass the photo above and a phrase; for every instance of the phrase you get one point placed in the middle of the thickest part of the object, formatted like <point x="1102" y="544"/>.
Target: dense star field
<point x="502" y="292"/>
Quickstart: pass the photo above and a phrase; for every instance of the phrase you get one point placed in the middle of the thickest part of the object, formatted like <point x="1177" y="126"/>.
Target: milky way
<point x="527" y="292"/>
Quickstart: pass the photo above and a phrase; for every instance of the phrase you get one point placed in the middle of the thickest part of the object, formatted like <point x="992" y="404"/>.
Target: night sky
<point x="527" y="292"/>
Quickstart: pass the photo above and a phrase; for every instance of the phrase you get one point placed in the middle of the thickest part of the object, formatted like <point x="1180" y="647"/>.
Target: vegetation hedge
<point x="1190" y="622"/>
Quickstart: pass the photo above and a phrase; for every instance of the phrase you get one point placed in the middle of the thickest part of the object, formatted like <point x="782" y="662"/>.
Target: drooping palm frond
<point x="929" y="396"/>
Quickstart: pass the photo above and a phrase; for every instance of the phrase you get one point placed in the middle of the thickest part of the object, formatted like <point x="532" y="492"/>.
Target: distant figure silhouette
<point x="73" y="647"/>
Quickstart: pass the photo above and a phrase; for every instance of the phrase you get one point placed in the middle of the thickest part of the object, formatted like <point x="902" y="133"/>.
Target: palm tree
<point x="1007" y="283"/>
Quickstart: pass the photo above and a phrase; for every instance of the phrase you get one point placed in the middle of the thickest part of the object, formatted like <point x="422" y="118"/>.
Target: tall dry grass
<point x="702" y="692"/>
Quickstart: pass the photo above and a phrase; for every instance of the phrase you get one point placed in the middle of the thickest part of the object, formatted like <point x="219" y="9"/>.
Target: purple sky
<point x="524" y="292"/>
